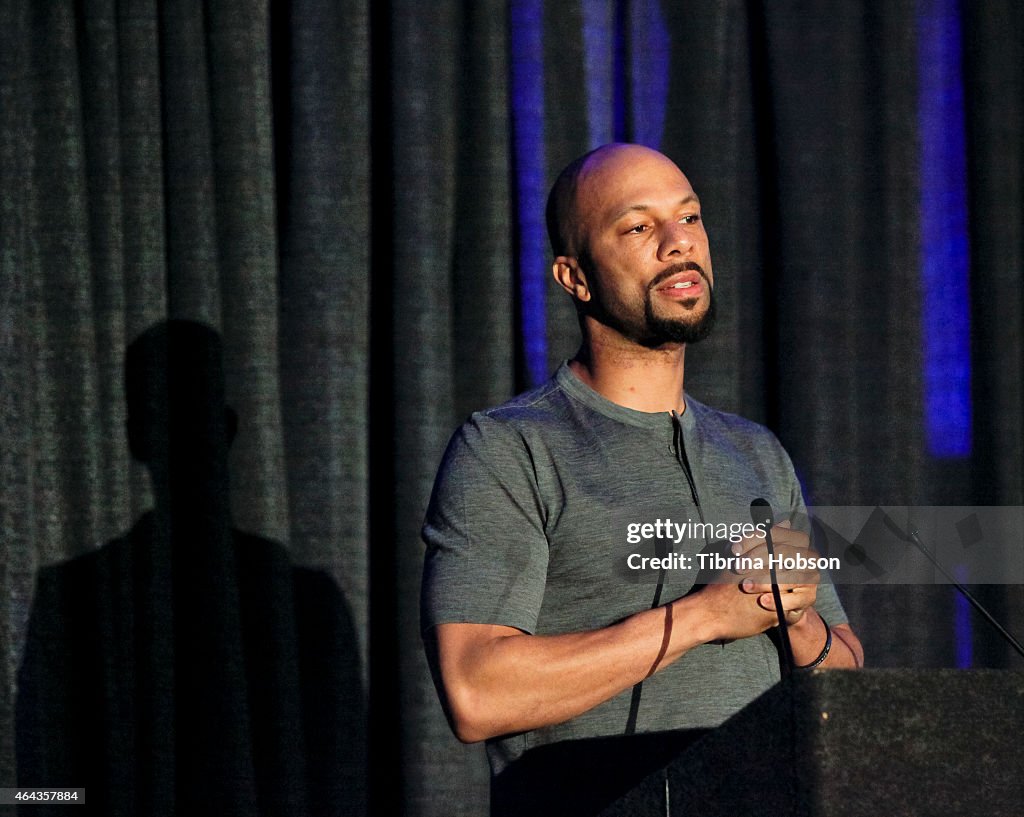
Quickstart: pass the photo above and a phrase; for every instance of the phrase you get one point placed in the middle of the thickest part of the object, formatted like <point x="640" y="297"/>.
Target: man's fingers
<point x="793" y="566"/>
<point x="792" y="603"/>
<point x="783" y="534"/>
<point x="754" y="587"/>
<point x="746" y="545"/>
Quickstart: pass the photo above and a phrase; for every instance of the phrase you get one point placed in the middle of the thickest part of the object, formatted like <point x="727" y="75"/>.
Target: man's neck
<point x="649" y="380"/>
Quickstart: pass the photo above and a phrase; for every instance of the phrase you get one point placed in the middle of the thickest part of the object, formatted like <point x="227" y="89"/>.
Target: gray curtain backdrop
<point x="330" y="186"/>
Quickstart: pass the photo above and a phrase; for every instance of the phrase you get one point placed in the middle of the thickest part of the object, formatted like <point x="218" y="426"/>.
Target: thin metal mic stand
<point x="914" y="538"/>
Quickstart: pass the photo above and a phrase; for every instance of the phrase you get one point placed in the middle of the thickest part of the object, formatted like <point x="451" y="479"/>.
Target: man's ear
<point x="570" y="277"/>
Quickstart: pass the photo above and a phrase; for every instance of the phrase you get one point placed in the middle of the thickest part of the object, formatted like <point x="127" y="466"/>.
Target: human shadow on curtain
<point x="187" y="667"/>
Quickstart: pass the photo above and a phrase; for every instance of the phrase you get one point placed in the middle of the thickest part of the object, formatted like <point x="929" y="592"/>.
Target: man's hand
<point x="798" y="588"/>
<point x="739" y="601"/>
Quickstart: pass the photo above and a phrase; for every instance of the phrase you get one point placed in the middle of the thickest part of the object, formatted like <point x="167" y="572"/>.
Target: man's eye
<point x="639" y="228"/>
<point x="693" y="218"/>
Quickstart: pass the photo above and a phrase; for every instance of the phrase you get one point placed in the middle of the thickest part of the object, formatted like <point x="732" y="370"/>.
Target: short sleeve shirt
<point x="537" y="521"/>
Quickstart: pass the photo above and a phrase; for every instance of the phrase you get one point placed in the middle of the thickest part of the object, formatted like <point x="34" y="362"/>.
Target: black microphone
<point x="761" y="514"/>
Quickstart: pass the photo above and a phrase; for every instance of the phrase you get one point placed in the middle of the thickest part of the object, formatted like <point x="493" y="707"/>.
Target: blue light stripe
<point x="598" y="68"/>
<point x="621" y="126"/>
<point x="649" y="63"/>
<point x="945" y="274"/>
<point x="527" y="42"/>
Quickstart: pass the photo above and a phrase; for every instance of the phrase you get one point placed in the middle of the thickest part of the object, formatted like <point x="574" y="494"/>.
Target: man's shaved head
<point x="562" y="213"/>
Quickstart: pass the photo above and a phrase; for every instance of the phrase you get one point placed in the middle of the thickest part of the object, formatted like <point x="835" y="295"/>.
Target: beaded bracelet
<point x="824" y="650"/>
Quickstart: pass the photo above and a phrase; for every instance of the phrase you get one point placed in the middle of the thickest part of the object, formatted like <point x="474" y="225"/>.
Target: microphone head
<point x="761" y="512"/>
<point x="895" y="529"/>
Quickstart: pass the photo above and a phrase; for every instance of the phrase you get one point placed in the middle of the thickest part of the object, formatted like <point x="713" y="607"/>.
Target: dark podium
<point x="866" y="743"/>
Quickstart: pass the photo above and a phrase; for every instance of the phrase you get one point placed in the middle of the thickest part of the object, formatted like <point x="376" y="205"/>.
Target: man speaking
<point x="535" y="631"/>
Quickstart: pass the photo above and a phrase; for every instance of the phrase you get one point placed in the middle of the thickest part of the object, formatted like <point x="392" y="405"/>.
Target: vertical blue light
<point x="598" y="69"/>
<point x="649" y="55"/>
<point x="621" y="125"/>
<point x="944" y="239"/>
<point x="526" y="22"/>
<point x="625" y="48"/>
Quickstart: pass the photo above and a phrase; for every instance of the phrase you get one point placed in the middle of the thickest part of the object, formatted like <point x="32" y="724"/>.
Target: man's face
<point x="642" y="246"/>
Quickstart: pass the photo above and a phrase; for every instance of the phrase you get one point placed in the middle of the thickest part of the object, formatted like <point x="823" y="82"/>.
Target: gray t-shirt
<point x="536" y="523"/>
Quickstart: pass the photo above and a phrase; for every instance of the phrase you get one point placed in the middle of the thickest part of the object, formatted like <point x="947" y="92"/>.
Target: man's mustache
<point x="675" y="269"/>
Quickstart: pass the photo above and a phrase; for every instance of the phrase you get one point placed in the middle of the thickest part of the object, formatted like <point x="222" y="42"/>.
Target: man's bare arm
<point x="494" y="680"/>
<point x="808" y="638"/>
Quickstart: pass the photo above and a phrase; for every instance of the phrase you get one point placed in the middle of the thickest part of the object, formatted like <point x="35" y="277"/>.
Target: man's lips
<point x="681" y="284"/>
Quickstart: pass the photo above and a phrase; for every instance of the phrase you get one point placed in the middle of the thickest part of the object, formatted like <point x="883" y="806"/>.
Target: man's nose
<point x="675" y="240"/>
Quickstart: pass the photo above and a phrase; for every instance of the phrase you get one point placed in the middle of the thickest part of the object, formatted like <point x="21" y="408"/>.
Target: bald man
<point x="541" y="619"/>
